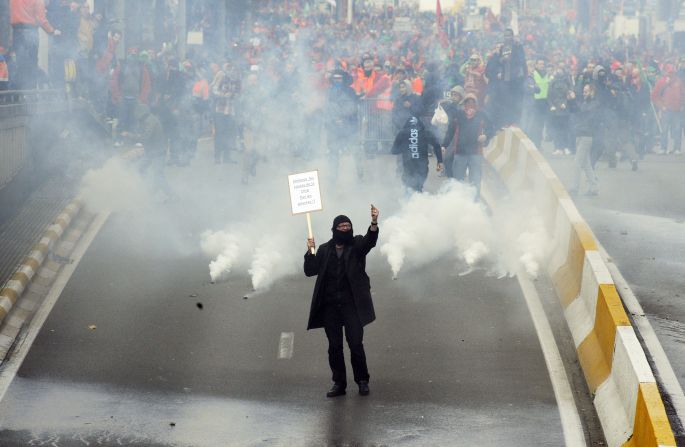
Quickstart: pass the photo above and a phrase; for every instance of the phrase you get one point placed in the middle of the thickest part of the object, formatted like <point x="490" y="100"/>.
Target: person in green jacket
<point x="540" y="106"/>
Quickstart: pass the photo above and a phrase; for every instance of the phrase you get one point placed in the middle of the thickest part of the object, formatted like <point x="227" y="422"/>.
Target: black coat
<point x="355" y="263"/>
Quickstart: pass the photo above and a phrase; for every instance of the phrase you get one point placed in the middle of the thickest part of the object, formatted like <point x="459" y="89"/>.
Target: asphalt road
<point x="454" y="360"/>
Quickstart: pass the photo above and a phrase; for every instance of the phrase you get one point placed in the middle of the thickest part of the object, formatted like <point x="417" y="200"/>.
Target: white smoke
<point x="116" y="186"/>
<point x="522" y="236"/>
<point x="430" y="226"/>
<point x="273" y="258"/>
<point x="224" y="246"/>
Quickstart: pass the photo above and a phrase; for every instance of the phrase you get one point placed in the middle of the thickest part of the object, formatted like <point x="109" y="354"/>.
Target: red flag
<point x="438" y="15"/>
<point x="440" y="23"/>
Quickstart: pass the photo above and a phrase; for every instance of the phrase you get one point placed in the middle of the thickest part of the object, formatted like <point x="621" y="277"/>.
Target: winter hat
<point x="407" y="84"/>
<point x="471" y="96"/>
<point x="595" y="72"/>
<point x="340" y="219"/>
<point x="459" y="90"/>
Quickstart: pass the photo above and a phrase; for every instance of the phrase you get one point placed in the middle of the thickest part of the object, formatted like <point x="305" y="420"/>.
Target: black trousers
<point x="337" y="317"/>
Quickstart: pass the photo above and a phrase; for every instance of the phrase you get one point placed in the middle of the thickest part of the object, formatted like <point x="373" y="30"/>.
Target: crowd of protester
<point x="294" y="80"/>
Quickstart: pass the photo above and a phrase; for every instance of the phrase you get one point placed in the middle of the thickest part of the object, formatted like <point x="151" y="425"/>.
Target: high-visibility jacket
<point x="543" y="84"/>
<point x="417" y="85"/>
<point x="385" y="97"/>
<point x="30" y="12"/>
<point x="363" y="84"/>
<point x="382" y="91"/>
<point x="4" y="72"/>
<point x="201" y="89"/>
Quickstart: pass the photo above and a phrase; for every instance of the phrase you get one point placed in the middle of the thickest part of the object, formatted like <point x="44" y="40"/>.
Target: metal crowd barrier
<point x="27" y="102"/>
<point x="376" y="132"/>
<point x="15" y="108"/>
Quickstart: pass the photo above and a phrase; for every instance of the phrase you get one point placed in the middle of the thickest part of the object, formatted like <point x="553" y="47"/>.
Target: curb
<point x="20" y="280"/>
<point x="624" y="389"/>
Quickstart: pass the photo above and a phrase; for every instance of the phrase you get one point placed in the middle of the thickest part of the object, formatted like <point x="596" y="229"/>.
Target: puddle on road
<point x="65" y="415"/>
<point x="675" y="330"/>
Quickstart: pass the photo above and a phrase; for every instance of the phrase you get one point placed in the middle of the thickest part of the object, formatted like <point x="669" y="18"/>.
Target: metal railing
<point x="29" y="102"/>
<point x="375" y="123"/>
<point x="15" y="109"/>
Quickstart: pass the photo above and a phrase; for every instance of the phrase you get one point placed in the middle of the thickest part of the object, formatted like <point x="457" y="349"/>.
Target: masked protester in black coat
<point x="342" y="297"/>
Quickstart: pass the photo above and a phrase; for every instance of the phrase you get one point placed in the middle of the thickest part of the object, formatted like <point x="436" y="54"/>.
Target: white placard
<point x="305" y="195"/>
<point x="195" y="38"/>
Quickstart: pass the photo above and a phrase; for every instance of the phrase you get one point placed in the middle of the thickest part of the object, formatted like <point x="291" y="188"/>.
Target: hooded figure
<point x="342" y="297"/>
<point x="412" y="143"/>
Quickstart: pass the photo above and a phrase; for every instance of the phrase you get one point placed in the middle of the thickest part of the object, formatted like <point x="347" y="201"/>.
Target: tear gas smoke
<point x="429" y="226"/>
<point x="267" y="242"/>
<point x="224" y="246"/>
<point x="116" y="186"/>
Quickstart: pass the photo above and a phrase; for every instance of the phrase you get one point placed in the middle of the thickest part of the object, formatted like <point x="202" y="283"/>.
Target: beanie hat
<point x="459" y="90"/>
<point x="472" y="97"/>
<point x="340" y="219"/>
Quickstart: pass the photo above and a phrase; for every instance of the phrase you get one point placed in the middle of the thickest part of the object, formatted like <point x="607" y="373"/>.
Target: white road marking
<point x="25" y="340"/>
<point x="286" y="345"/>
<point x="570" y="420"/>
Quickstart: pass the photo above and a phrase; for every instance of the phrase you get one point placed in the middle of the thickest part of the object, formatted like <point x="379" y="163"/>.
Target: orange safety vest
<point x="201" y="89"/>
<point x="362" y="84"/>
<point x="417" y="85"/>
<point x="384" y="98"/>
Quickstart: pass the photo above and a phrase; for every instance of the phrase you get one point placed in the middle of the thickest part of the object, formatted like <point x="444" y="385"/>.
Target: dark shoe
<point x="338" y="389"/>
<point x="363" y="388"/>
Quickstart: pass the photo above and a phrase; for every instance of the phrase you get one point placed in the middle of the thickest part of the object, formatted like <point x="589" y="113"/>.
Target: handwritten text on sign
<point x="305" y="195"/>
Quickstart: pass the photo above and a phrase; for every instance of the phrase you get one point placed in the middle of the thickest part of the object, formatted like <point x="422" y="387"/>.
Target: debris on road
<point x="92" y="327"/>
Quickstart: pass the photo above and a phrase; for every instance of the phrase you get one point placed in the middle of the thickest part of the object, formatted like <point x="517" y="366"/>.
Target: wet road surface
<point x="454" y="360"/>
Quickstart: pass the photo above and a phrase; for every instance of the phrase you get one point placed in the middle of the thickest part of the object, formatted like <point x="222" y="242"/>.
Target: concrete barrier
<point x="625" y="393"/>
<point x="15" y="286"/>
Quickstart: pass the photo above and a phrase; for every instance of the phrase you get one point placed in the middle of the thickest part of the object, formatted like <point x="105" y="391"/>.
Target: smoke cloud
<point x="430" y="226"/>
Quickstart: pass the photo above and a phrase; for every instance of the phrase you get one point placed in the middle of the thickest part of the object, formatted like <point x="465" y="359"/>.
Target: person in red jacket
<point x="26" y="16"/>
<point x="669" y="98"/>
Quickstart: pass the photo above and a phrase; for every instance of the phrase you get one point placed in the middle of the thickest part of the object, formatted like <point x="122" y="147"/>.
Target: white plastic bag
<point x="439" y="117"/>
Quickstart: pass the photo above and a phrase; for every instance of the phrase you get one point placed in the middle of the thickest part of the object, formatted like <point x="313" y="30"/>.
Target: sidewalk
<point x="22" y="231"/>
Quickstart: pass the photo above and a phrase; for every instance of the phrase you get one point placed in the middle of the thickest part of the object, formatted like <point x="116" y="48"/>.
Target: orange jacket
<point x="29" y="12"/>
<point x="363" y="84"/>
<point x="4" y="72"/>
<point x="201" y="89"/>
<point x="383" y="91"/>
<point x="417" y="85"/>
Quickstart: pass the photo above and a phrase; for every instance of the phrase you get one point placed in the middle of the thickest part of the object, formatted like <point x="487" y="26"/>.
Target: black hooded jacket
<point x="413" y="141"/>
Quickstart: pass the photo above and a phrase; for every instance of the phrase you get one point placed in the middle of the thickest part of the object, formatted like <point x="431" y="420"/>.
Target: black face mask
<point x="343" y="237"/>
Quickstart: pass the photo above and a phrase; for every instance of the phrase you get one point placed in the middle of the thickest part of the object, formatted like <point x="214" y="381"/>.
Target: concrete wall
<point x="625" y="392"/>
